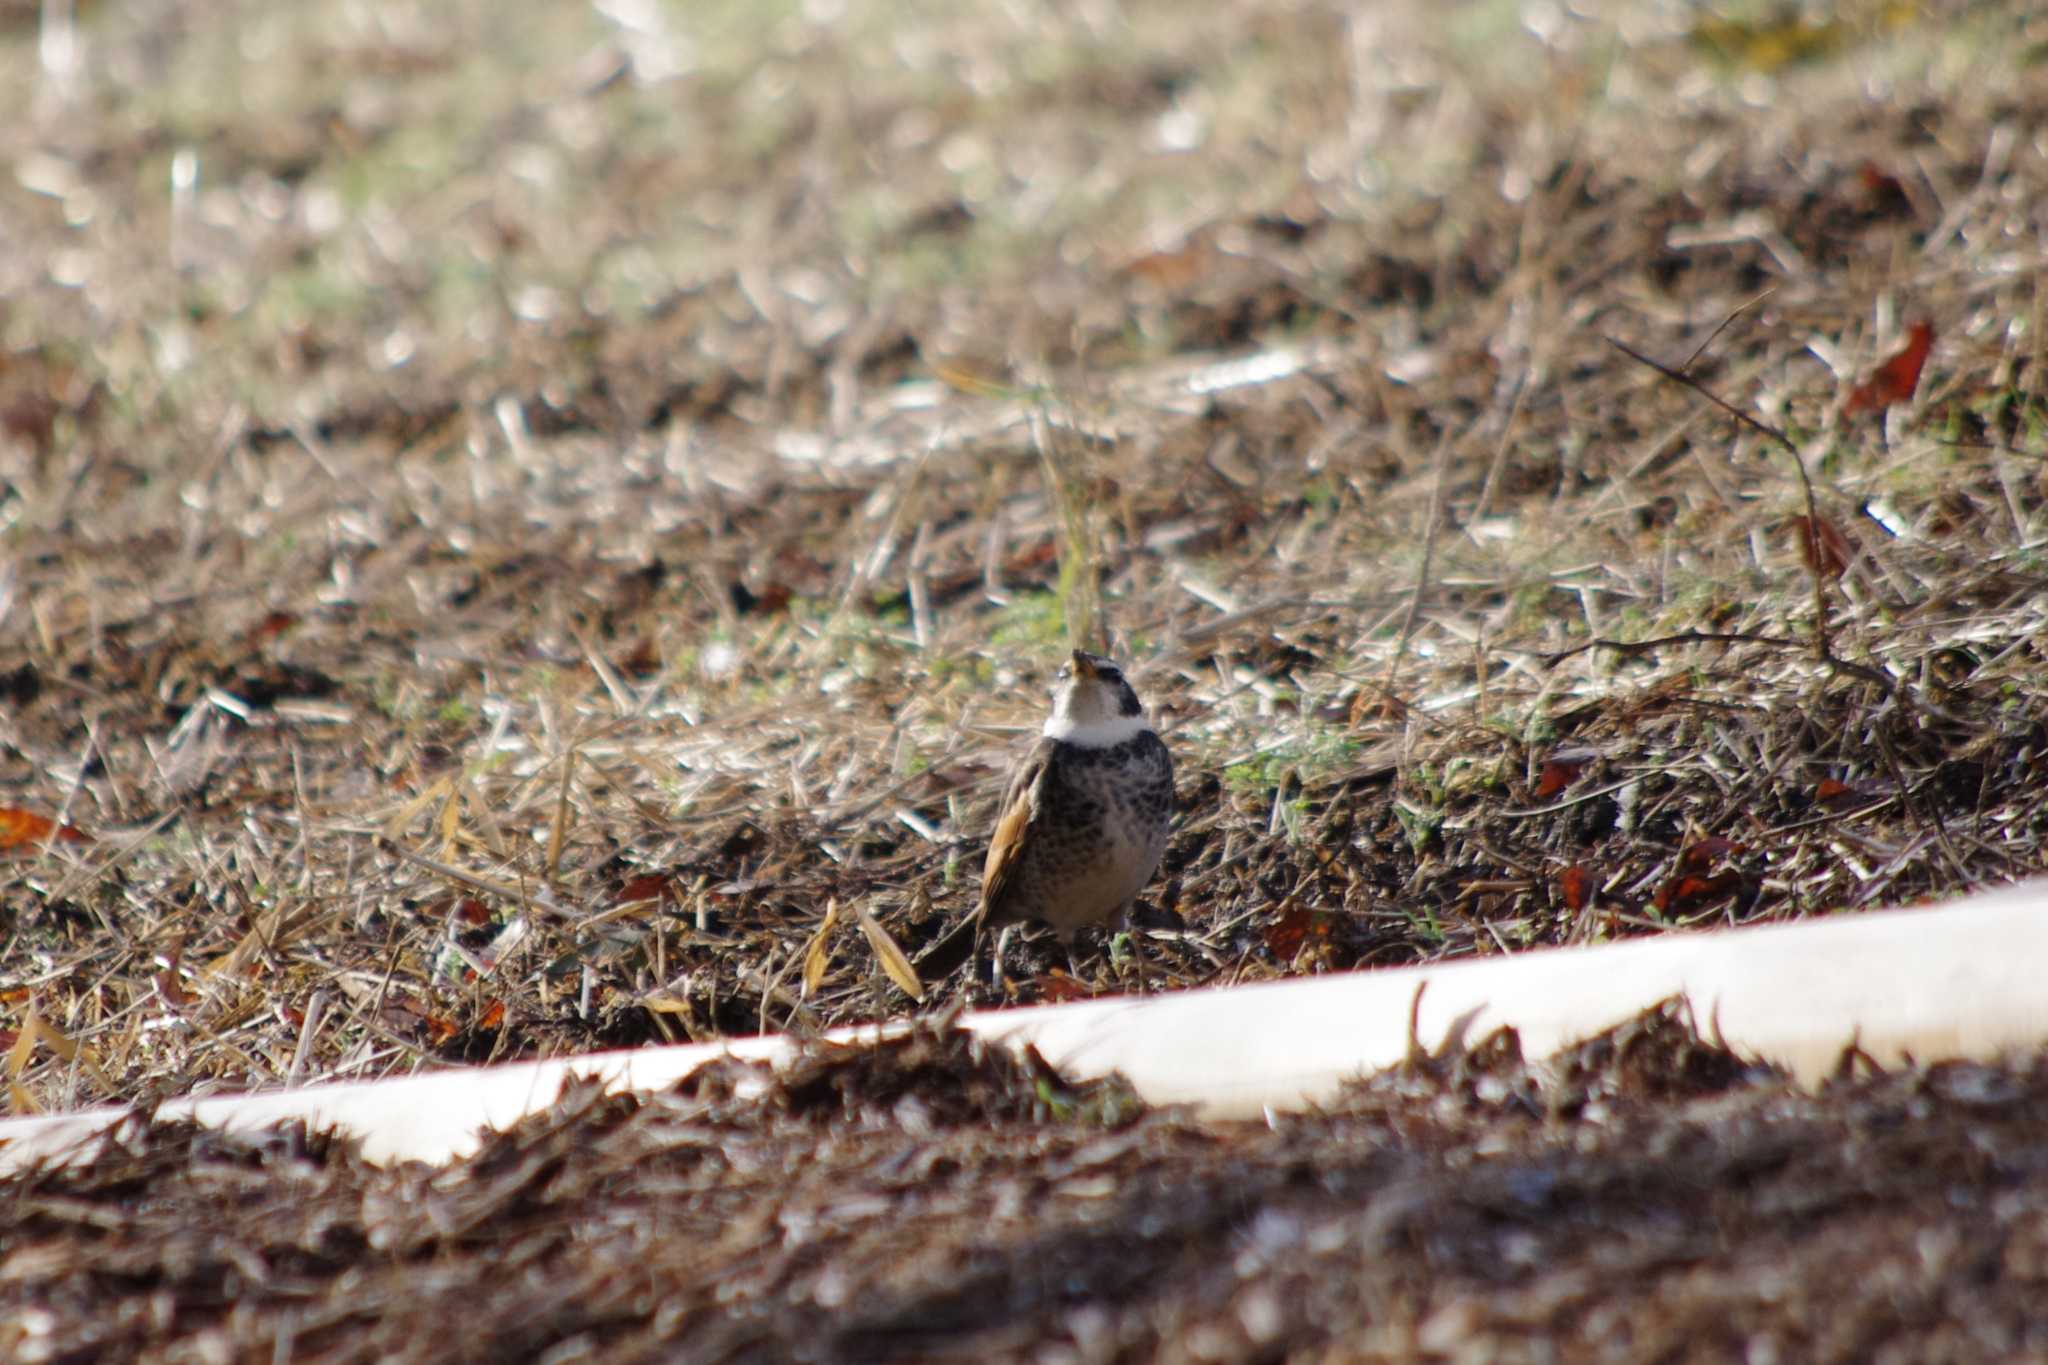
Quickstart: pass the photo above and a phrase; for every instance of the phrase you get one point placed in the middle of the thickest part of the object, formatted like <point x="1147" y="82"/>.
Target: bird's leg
<point x="1137" y="954"/>
<point x="1002" y="942"/>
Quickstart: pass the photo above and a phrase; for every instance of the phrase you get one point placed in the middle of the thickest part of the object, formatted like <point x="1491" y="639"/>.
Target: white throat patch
<point x="1098" y="734"/>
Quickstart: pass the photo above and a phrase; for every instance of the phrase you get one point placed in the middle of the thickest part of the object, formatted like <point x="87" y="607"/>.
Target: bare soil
<point x="532" y="529"/>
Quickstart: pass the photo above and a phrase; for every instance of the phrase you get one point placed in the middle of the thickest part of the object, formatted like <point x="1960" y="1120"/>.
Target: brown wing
<point x="1022" y="801"/>
<point x="1020" y="808"/>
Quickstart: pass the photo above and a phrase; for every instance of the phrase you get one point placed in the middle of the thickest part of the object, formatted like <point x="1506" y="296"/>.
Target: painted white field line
<point x="1968" y="978"/>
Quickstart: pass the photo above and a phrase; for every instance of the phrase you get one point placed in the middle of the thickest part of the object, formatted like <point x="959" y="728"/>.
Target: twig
<point x="1429" y="538"/>
<point x="1821" y="647"/>
<point x="1715" y="335"/>
<point x="1720" y="637"/>
<point x="1684" y="637"/>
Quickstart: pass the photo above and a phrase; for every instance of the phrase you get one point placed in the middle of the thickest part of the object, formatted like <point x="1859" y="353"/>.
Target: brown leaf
<point x="171" y="989"/>
<point x="894" y="963"/>
<point x="1683" y="891"/>
<point x="773" y="599"/>
<point x="493" y="1016"/>
<point x="24" y="1044"/>
<point x="1702" y="854"/>
<point x="1174" y="271"/>
<point x="1825" y="549"/>
<point x="642" y="658"/>
<point x="816" y="958"/>
<point x="1295" y="925"/>
<point x="1059" y="988"/>
<point x="36" y="1029"/>
<point x="1896" y="379"/>
<point x="649" y="886"/>
<point x="23" y="828"/>
<point x="1837" y="794"/>
<point x="1575" y="886"/>
<point x="276" y="623"/>
<point x="1557" y="774"/>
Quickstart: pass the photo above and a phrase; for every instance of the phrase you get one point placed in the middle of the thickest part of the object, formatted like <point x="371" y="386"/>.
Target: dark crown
<point x="1108" y="674"/>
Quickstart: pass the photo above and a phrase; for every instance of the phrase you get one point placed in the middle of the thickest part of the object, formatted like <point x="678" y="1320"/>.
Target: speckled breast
<point x="1101" y="832"/>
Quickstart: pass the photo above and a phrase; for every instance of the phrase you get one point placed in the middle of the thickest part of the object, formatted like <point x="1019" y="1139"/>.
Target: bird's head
<point x="1092" y="703"/>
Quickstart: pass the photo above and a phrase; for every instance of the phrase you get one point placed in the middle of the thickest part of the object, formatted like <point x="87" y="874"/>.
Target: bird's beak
<point x="1084" y="667"/>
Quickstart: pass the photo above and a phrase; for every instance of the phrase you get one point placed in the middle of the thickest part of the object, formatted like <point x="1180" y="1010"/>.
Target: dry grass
<point x="498" y="539"/>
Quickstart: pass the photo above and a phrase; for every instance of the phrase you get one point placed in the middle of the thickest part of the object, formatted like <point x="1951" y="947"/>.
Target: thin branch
<point x="1821" y="647"/>
<point x="1719" y="637"/>
<point x="1429" y="539"/>
<point x="1715" y="335"/>
<point x="1683" y="637"/>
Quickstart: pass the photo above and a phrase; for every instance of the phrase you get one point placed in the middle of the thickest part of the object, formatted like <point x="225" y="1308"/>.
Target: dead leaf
<point x="1839" y="795"/>
<point x="276" y="623"/>
<point x="1681" y="892"/>
<point x="643" y="658"/>
<point x="1174" y="271"/>
<point x="1825" y="549"/>
<point x="171" y="989"/>
<point x="1294" y="926"/>
<point x="1059" y="988"/>
<point x="25" y="829"/>
<point x="450" y="822"/>
<point x="1557" y="774"/>
<point x="36" y="1029"/>
<point x="440" y="1028"/>
<point x="816" y="959"/>
<point x="1702" y="854"/>
<point x="17" y="1062"/>
<point x="649" y="886"/>
<point x="891" y="957"/>
<point x="1575" y="886"/>
<point x="773" y="599"/>
<point x="1896" y="379"/>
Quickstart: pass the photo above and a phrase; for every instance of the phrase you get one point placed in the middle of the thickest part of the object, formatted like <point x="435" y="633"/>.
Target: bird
<point x="1084" y="819"/>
